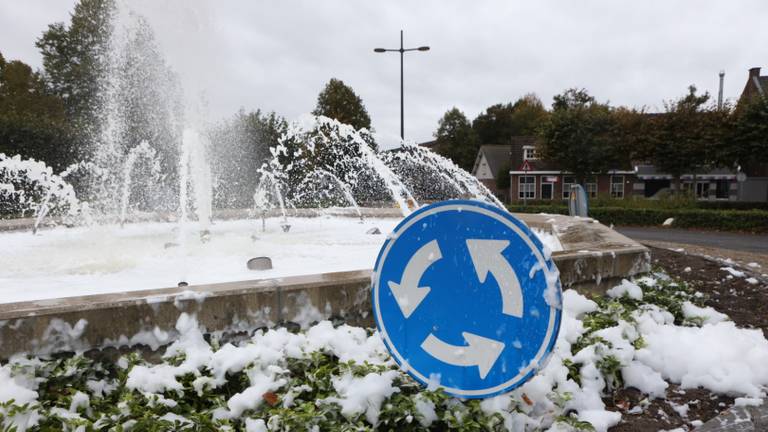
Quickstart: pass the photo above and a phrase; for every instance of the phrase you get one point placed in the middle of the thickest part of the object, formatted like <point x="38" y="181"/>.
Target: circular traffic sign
<point x="466" y="298"/>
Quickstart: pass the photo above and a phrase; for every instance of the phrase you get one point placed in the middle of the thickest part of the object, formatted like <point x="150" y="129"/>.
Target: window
<point x="526" y="187"/>
<point x="547" y="189"/>
<point x="592" y="187"/>
<point x="722" y="189"/>
<point x="617" y="186"/>
<point x="567" y="182"/>
<point x="529" y="153"/>
<point x="702" y="190"/>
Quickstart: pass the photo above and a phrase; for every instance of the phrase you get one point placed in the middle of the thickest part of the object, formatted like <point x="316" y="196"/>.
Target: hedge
<point x="755" y="221"/>
<point x="732" y="205"/>
<point x="669" y="203"/>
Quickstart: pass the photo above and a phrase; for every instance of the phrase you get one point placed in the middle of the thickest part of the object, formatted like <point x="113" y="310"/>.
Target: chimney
<point x="720" y="91"/>
<point x="754" y="72"/>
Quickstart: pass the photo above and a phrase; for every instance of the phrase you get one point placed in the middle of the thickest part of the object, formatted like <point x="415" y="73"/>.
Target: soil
<point x="746" y="304"/>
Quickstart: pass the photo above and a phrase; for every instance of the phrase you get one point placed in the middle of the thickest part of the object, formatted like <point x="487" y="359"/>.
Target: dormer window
<point x="529" y="153"/>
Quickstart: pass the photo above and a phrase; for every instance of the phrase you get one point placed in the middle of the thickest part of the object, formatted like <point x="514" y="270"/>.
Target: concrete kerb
<point x="26" y="224"/>
<point x="738" y="419"/>
<point x="149" y="317"/>
<point x="594" y="258"/>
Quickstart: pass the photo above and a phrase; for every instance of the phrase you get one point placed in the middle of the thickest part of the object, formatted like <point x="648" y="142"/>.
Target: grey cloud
<point x="277" y="55"/>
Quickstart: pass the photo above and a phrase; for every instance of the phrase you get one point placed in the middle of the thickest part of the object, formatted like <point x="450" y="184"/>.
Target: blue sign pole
<point x="466" y="298"/>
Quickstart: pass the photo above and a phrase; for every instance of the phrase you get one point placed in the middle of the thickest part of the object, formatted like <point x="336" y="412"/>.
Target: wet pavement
<point x="744" y="242"/>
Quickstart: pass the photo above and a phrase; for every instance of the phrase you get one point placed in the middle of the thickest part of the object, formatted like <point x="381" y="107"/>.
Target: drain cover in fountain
<point x="260" y="263"/>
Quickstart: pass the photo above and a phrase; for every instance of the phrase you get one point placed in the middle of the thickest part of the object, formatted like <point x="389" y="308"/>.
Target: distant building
<point x="490" y="163"/>
<point x="756" y="85"/>
<point x="755" y="176"/>
<point x="532" y="178"/>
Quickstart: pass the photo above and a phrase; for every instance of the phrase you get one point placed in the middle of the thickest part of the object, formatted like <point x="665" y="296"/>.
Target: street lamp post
<point x="402" y="52"/>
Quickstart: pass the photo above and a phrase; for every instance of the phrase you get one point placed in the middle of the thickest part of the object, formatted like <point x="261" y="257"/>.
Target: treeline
<point x="585" y="136"/>
<point x="61" y="115"/>
<point x="57" y="115"/>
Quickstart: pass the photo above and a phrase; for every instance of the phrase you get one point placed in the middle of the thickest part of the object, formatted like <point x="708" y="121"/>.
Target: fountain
<point x="195" y="174"/>
<point x="315" y="143"/>
<point x="28" y="185"/>
<point x="146" y="151"/>
<point x="268" y="187"/>
<point x="69" y="273"/>
<point x="324" y="178"/>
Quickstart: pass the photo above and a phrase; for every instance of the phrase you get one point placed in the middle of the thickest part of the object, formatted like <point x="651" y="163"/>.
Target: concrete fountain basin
<point x="593" y="258"/>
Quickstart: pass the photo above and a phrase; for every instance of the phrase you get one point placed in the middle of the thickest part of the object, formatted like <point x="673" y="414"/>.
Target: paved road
<point x="741" y="242"/>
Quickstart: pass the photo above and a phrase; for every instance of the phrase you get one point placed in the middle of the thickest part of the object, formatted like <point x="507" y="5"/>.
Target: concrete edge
<point x="595" y="259"/>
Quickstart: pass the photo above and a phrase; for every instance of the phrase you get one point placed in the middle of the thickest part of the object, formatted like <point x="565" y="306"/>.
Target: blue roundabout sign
<point x="466" y="298"/>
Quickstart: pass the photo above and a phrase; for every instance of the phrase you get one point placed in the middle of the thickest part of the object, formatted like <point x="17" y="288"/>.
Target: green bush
<point x="718" y="220"/>
<point x="538" y="208"/>
<point x="682" y="201"/>
<point x="732" y="205"/>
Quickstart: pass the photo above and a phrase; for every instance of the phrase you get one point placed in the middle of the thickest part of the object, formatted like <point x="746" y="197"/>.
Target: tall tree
<point x="32" y="121"/>
<point x="75" y="59"/>
<point x="686" y="135"/>
<point x="495" y="124"/>
<point x="501" y="121"/>
<point x="747" y="143"/>
<point x="528" y="114"/>
<point x="339" y="102"/>
<point x="456" y="140"/>
<point x="578" y="135"/>
<point x="632" y="137"/>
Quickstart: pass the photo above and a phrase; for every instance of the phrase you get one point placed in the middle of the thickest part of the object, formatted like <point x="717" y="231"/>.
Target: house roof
<point x="756" y="84"/>
<point x="496" y="155"/>
<point x="516" y="160"/>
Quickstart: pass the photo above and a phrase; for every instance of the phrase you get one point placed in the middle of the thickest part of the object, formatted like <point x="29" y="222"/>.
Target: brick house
<point x="754" y="186"/>
<point x="756" y="85"/>
<point x="532" y="178"/>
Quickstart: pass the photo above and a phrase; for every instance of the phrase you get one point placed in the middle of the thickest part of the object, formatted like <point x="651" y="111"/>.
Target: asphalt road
<point x="757" y="243"/>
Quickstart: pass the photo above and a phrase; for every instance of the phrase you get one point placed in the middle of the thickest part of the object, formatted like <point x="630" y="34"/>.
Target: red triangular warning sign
<point x="525" y="166"/>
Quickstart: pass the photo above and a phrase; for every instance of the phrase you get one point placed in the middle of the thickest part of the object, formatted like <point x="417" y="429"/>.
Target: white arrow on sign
<point x="487" y="258"/>
<point x="408" y="293"/>
<point x="480" y="351"/>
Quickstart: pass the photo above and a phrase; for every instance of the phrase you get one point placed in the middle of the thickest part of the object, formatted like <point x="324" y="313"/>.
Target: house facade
<point x="532" y="178"/>
<point x="754" y="180"/>
<point x="490" y="163"/>
<point x="718" y="184"/>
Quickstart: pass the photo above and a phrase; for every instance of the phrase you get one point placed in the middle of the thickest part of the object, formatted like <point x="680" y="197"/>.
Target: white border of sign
<point x="547" y="346"/>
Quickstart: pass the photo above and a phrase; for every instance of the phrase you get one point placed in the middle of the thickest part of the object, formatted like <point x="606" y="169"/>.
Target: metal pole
<point x="402" y="104"/>
<point x="525" y="194"/>
<point x="402" y="50"/>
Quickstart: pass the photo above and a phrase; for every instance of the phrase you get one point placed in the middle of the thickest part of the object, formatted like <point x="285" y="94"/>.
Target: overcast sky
<point x="277" y="55"/>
